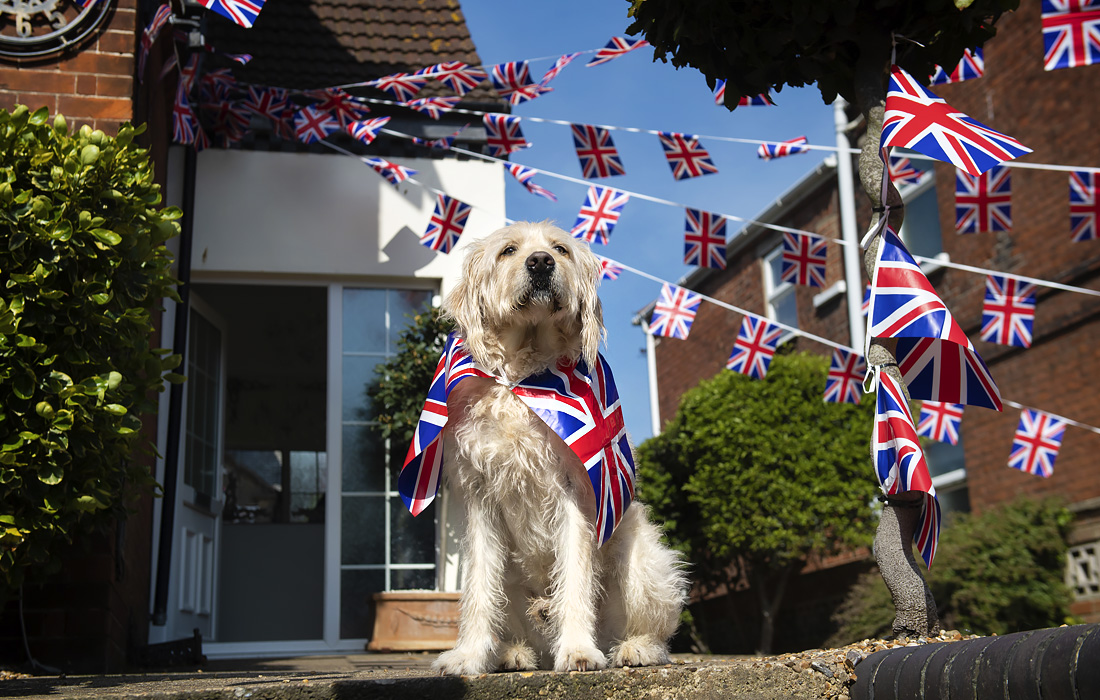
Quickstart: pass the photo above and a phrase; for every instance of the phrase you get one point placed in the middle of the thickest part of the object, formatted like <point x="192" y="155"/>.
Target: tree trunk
<point x="914" y="607"/>
<point x="769" y="605"/>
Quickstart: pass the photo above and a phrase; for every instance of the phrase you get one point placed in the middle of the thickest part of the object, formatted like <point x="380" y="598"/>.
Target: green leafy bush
<point x="82" y="265"/>
<point x="998" y="572"/>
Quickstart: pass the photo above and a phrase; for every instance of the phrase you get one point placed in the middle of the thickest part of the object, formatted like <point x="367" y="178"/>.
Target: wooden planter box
<point x="414" y="621"/>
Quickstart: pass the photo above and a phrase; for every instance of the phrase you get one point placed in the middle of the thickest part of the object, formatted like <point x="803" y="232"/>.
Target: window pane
<point x="412" y="539"/>
<point x="358" y="375"/>
<point x="403" y="304"/>
<point x="363" y="530"/>
<point x="776" y="264"/>
<point x="410" y="579"/>
<point x="921" y="227"/>
<point x="943" y="458"/>
<point x="955" y="501"/>
<point x="364" y="462"/>
<point x="364" y="320"/>
<point x="786" y="311"/>
<point x="356" y="606"/>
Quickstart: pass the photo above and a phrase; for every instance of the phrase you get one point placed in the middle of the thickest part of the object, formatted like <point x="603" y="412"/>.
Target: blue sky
<point x="635" y="91"/>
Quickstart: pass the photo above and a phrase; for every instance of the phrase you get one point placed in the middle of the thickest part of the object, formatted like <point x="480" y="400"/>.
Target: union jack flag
<point x="685" y="156"/>
<point x="599" y="214"/>
<point x="1071" y="33"/>
<point x="184" y="123"/>
<point x="596" y="151"/>
<point x="1036" y="443"/>
<point x="503" y="135"/>
<point x="345" y="108"/>
<point x="524" y="175"/>
<point x="618" y="46"/>
<point x="580" y="404"/>
<point x="269" y="103"/>
<point x="393" y="172"/>
<point x="513" y="82"/>
<point x="803" y="260"/>
<point x="903" y="172"/>
<point x="229" y="119"/>
<point x="149" y="36"/>
<point x="434" y="107"/>
<point x="1008" y="312"/>
<point x="189" y="72"/>
<point x="745" y="101"/>
<point x="558" y="66"/>
<point x="705" y="239"/>
<point x="916" y="118"/>
<point x="674" y="312"/>
<point x="444" y="142"/>
<point x="367" y="131"/>
<point x="1084" y="205"/>
<point x="899" y="461"/>
<point x="983" y="202"/>
<point x="242" y="12"/>
<point x="610" y="270"/>
<point x="844" y="383"/>
<point x="767" y="150"/>
<point x="866" y="305"/>
<point x="241" y="58"/>
<point x="401" y="86"/>
<point x="934" y="354"/>
<point x="312" y="125"/>
<point x="971" y="65"/>
<point x="940" y="421"/>
<point x="456" y="75"/>
<point x="754" y="348"/>
<point x="218" y="84"/>
<point x="446" y="225"/>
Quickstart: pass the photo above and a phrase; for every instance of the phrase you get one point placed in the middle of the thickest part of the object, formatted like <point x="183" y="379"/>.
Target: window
<point x="947" y="467"/>
<point x="920" y="230"/>
<point x="1083" y="569"/>
<point x="204" y="367"/>
<point x="779" y="295"/>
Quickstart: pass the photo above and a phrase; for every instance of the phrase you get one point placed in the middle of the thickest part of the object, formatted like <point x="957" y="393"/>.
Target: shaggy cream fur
<point x="537" y="591"/>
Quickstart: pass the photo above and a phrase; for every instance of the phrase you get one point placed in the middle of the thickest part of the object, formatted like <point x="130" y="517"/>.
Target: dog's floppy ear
<point x="463" y="304"/>
<point x="589" y="309"/>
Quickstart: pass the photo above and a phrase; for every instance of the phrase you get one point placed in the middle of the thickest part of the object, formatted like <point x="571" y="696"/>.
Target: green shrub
<point x="995" y="573"/>
<point x="82" y="266"/>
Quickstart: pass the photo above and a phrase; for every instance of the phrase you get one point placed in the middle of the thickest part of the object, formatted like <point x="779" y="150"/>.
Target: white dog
<point x="535" y="583"/>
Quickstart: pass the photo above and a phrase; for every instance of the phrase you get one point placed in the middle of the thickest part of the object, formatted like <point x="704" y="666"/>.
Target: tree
<point x="759" y="475"/>
<point x="844" y="47"/>
<point x="82" y="268"/>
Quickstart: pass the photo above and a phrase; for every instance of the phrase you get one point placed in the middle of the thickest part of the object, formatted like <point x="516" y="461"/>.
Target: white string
<point x="1070" y="421"/>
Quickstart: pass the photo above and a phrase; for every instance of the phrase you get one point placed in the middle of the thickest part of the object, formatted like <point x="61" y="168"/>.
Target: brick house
<point x="279" y="520"/>
<point x="1039" y="108"/>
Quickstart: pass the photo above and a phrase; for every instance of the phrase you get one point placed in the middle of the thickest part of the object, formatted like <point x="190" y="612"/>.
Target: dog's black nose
<point x="540" y="262"/>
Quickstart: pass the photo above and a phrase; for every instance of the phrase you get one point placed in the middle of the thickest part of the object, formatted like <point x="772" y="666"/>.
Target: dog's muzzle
<point x="540" y="267"/>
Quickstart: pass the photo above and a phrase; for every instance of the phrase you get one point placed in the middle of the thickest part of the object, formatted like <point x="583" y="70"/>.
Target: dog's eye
<point x="510" y="250"/>
<point x="561" y="250"/>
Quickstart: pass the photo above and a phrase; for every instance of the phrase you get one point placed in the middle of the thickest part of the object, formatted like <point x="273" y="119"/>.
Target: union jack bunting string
<point x="1008" y="312"/>
<point x="393" y="172"/>
<point x="312" y="125"/>
<point x="685" y="156"/>
<point x="580" y="404"/>
<point x="1071" y="33"/>
<point x="674" y="312"/>
<point x="940" y="421"/>
<point x="345" y="108"/>
<point x="983" y="203"/>
<point x="149" y="36"/>
<point x="610" y="270"/>
<point x="754" y="347"/>
<point x="899" y="460"/>
<point x="1036" y="443"/>
<point x="1084" y="205"/>
<point x="767" y="151"/>
<point x="596" y="152"/>
<point x="599" y="214"/>
<point x="434" y="107"/>
<point x="524" y="174"/>
<point x="903" y="172"/>
<point x="971" y="65"/>
<point x="844" y="383"/>
<point x="503" y="135"/>
<point x="618" y="46"/>
<point x="456" y="75"/>
<point x="242" y="12"/>
<point x="803" y="259"/>
<point x="401" y="86"/>
<point x="446" y="225"/>
<point x="367" y="131"/>
<point x="705" y="239"/>
<point x="917" y="119"/>
<point x="936" y="358"/>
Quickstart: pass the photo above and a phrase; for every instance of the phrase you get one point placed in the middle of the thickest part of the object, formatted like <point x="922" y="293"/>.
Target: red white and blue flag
<point x="512" y="81"/>
<point x="458" y="76"/>
<point x="971" y="65"/>
<point x="503" y="135"/>
<point x="524" y="175"/>
<point x="1036" y="443"/>
<point x="393" y="172"/>
<point x="149" y="36"/>
<point x="685" y="156"/>
<point x="983" y="203"/>
<point x="558" y="66"/>
<point x="899" y="461"/>
<point x="940" y="421"/>
<point x="599" y="214"/>
<point x="367" y="131"/>
<point x="746" y="100"/>
<point x="242" y="12"/>
<point x="345" y="108"/>
<point x="917" y="119"/>
<point x="1008" y="312"/>
<point x="803" y="259"/>
<point x="769" y="150"/>
<point x="1084" y="205"/>
<point x="618" y="46"/>
<point x="844" y="383"/>
<point x="903" y="172"/>
<point x="1071" y="33"/>
<point x="580" y="405"/>
<point x="434" y="107"/>
<point x="609" y="269"/>
<point x="185" y="125"/>
<point x="312" y="125"/>
<point x="270" y="103"/>
<point x="754" y="347"/>
<point x="866" y="305"/>
<point x="936" y="358"/>
<point x="705" y="239"/>
<point x="596" y="152"/>
<point x="446" y="225"/>
<point x="218" y="84"/>
<point x="674" y="312"/>
<point x="402" y="87"/>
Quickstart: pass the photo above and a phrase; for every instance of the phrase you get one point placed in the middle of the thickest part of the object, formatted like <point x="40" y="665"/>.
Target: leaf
<point x="89" y="154"/>
<point x="23" y="384"/>
<point x="107" y="236"/>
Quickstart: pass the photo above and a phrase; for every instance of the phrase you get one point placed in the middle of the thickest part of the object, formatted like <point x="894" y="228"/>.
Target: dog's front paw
<point x="517" y="656"/>
<point x="642" y="650"/>
<point x="459" y="662"/>
<point x="579" y="658"/>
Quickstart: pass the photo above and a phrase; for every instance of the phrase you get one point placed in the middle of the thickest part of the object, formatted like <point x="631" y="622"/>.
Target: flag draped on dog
<point x="580" y="404"/>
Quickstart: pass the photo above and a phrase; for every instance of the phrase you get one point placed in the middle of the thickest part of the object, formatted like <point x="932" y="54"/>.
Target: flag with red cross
<point x="599" y="214"/>
<point x="596" y="152"/>
<point x="983" y="203"/>
<point x="1084" y="205"/>
<point x="1008" y="312"/>
<point x="1036" y="443"/>
<point x="446" y="225"/>
<point x="754" y="347"/>
<point x="705" y="239"/>
<point x="844" y="383"/>
<point x="803" y="259"/>
<point x="685" y="156"/>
